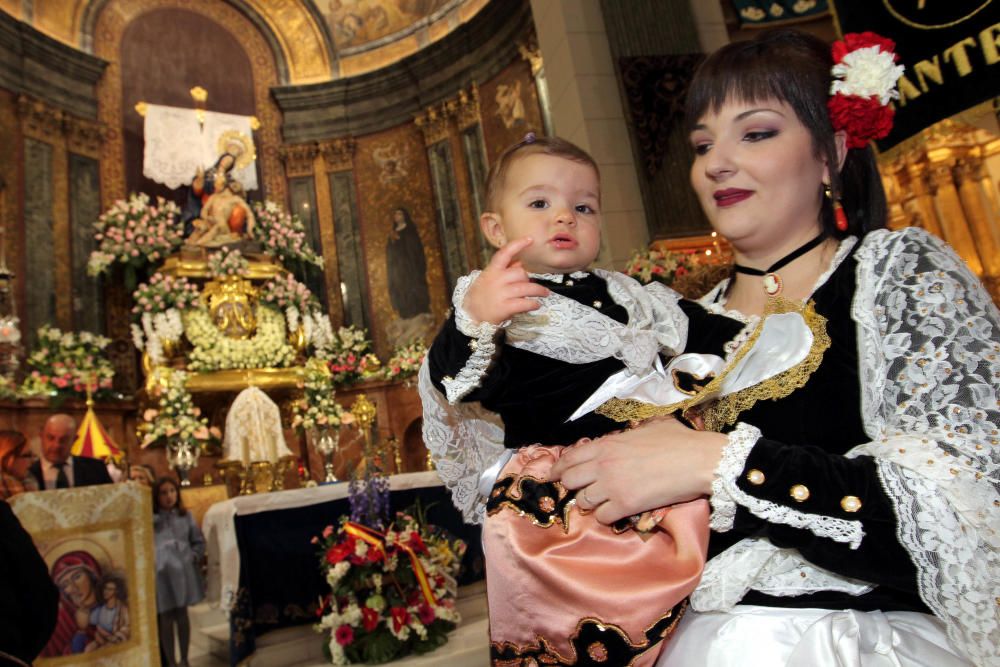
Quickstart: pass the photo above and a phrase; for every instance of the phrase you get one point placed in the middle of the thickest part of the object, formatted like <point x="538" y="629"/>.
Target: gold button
<point x="800" y="492"/>
<point x="569" y="283"/>
<point x="755" y="477"/>
<point x="850" y="503"/>
<point x="597" y="304"/>
<point x="473" y="344"/>
<point x="447" y="378"/>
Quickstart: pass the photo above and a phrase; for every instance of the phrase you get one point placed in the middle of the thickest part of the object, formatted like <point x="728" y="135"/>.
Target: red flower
<point x="400" y="618"/>
<point x="344" y="635"/>
<point x="339" y="552"/>
<point x="375" y="555"/>
<point x="859" y="40"/>
<point x="680" y="271"/>
<point x="369" y="618"/>
<point x="416" y="543"/>
<point x="426" y="614"/>
<point x="863" y="119"/>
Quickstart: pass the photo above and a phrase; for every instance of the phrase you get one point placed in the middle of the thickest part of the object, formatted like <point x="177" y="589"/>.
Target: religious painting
<point x="356" y="22"/>
<point x="97" y="542"/>
<point x="510" y="108"/>
<point x="402" y="248"/>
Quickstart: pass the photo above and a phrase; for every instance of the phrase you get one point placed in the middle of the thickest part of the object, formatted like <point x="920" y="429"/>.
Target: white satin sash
<point x="784" y="341"/>
<point x="753" y="636"/>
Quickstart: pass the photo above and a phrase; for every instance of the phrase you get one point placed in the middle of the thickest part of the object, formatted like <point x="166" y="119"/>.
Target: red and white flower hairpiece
<point x="864" y="83"/>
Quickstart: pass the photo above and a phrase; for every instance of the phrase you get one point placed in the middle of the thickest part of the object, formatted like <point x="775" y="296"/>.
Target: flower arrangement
<point x="158" y="307"/>
<point x="176" y="419"/>
<point x="348" y="353"/>
<point x="301" y="308"/>
<point x="213" y="350"/>
<point x="135" y="233"/>
<point x="392" y="592"/>
<point x="65" y="364"/>
<point x="283" y="234"/>
<point x="317" y="408"/>
<point x="665" y="267"/>
<point x="228" y="264"/>
<point x="864" y="83"/>
<point x="406" y="360"/>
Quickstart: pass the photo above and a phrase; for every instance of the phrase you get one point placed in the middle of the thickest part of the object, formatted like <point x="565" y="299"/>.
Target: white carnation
<point x="865" y="72"/>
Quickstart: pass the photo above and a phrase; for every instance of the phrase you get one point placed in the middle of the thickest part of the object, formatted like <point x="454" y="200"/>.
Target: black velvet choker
<point x="772" y="281"/>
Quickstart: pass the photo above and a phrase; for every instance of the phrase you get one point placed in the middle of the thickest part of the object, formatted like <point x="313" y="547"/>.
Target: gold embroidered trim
<point x="547" y="655"/>
<point x="724" y="411"/>
<point x="516" y="495"/>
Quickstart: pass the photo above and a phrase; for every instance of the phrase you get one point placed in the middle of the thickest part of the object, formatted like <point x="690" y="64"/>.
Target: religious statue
<point x="225" y="218"/>
<point x="236" y="152"/>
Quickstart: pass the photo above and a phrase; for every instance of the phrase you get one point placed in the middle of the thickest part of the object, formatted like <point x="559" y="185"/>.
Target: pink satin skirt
<point x="560" y="583"/>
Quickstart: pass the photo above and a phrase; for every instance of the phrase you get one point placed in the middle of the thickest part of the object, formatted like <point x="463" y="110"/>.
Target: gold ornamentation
<point x="364" y="412"/>
<point x="247" y="152"/>
<point x="799" y="493"/>
<point x="724" y="411"/>
<point x="299" y="158"/>
<point x="199" y="94"/>
<point x="338" y="153"/>
<point x="755" y="477"/>
<point x="231" y="306"/>
<point x="850" y="503"/>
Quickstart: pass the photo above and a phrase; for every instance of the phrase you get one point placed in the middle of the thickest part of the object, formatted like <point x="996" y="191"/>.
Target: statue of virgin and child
<point x="216" y="212"/>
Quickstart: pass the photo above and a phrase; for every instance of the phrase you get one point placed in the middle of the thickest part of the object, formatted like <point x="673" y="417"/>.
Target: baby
<point x="533" y="335"/>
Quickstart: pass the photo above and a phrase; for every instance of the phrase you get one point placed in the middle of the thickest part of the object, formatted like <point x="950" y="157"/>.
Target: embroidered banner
<point x="950" y="50"/>
<point x="767" y="13"/>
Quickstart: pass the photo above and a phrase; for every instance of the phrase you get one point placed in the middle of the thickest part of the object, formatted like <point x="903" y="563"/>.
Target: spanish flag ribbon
<point x="376" y="539"/>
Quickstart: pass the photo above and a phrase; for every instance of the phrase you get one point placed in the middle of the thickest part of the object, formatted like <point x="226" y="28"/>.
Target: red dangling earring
<point x="839" y="215"/>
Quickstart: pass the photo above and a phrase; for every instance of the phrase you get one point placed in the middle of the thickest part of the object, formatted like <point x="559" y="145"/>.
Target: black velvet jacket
<point x="533" y="394"/>
<point x="805" y="435"/>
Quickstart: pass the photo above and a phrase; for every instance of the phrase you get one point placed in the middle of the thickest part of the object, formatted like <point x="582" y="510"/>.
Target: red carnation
<point x="863" y="119"/>
<point x="859" y="40"/>
<point x="339" y="552"/>
<point x="369" y="618"/>
<point x="344" y="635"/>
<point x="416" y="543"/>
<point x="426" y="614"/>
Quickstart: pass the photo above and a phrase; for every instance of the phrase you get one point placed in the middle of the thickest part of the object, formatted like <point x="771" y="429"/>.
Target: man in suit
<point x="57" y="469"/>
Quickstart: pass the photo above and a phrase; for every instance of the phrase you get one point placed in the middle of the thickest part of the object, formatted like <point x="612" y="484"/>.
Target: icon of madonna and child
<point x="93" y="597"/>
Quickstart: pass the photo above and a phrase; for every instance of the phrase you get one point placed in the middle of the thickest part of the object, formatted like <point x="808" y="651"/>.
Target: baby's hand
<point x="503" y="289"/>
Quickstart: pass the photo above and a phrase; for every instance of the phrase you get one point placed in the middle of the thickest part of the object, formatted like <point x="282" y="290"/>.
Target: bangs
<point x="779" y="65"/>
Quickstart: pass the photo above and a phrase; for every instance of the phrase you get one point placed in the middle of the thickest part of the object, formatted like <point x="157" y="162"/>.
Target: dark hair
<point x="156" y="495"/>
<point x="530" y="146"/>
<point x="794" y="67"/>
<point x="121" y="589"/>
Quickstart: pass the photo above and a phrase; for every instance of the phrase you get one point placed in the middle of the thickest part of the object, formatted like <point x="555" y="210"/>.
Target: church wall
<point x="202" y="52"/>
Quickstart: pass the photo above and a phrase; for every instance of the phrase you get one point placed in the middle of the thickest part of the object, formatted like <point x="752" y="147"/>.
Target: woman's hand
<point x="503" y="289"/>
<point x="660" y="463"/>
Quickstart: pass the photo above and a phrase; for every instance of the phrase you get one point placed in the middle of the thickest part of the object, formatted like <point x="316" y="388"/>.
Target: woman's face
<point x="167" y="496"/>
<point x="78" y="587"/>
<point x="757" y="176"/>
<point x="19" y="462"/>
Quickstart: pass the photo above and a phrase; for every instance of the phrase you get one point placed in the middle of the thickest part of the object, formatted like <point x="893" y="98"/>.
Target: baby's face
<point x="556" y="202"/>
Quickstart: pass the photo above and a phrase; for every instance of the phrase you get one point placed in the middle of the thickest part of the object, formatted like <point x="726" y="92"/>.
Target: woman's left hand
<point x="661" y="462"/>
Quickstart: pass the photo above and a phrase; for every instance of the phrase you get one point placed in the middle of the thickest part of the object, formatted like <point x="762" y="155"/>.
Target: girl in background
<point x="180" y="548"/>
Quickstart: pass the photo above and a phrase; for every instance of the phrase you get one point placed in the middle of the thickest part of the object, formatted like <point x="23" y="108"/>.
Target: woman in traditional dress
<point x="855" y="486"/>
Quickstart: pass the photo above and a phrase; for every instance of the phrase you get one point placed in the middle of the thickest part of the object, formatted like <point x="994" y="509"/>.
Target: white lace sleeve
<point x="929" y="340"/>
<point x="483" y="344"/>
<point x="463" y="440"/>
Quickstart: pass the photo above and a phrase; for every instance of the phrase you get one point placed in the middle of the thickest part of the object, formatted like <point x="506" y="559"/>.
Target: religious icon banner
<point x="951" y="51"/>
<point x="98" y="544"/>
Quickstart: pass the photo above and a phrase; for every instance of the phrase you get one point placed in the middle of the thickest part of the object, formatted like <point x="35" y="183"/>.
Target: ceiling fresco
<point x="317" y="40"/>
